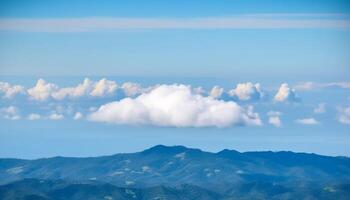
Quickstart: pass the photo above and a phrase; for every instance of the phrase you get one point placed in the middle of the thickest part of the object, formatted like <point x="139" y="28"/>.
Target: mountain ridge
<point x="160" y="146"/>
<point x="228" y="173"/>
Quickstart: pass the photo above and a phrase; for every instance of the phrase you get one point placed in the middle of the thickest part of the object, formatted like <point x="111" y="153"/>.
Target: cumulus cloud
<point x="77" y="116"/>
<point x="216" y="92"/>
<point x="274" y="118"/>
<point x="9" y="91"/>
<point x="74" y="92"/>
<point x="176" y="106"/>
<point x="321" y="108"/>
<point x="10" y="112"/>
<point x="344" y="115"/>
<point x="42" y="90"/>
<point x="103" y="87"/>
<point x="247" y="91"/>
<point x="131" y="89"/>
<point x="34" y="116"/>
<point x="286" y="94"/>
<point x="307" y="121"/>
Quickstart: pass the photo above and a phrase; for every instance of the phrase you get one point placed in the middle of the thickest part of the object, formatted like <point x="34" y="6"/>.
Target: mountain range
<point x="177" y="172"/>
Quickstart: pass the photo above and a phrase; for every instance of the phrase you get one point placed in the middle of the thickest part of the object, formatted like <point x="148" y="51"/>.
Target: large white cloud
<point x="344" y="115"/>
<point x="9" y="90"/>
<point x="247" y="91"/>
<point x="286" y="94"/>
<point x="176" y="106"/>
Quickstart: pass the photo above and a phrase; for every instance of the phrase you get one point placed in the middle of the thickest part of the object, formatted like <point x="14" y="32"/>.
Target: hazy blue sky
<point x="303" y="43"/>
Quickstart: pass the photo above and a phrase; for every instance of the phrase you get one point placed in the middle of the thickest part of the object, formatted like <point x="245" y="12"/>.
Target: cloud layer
<point x="175" y="106"/>
<point x="253" y="21"/>
<point x="160" y="105"/>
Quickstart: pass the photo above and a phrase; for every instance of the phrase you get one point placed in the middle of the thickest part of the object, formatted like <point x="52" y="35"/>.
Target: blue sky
<point x="197" y="43"/>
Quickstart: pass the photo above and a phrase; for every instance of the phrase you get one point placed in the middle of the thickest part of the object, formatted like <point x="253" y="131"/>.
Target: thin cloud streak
<point x="239" y="22"/>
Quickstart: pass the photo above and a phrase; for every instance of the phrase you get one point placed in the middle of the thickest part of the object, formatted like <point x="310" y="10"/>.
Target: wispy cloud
<point x="314" y="85"/>
<point x="307" y="121"/>
<point x="248" y="21"/>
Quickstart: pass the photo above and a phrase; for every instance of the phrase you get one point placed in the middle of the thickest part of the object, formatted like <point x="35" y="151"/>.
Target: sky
<point x="90" y="78"/>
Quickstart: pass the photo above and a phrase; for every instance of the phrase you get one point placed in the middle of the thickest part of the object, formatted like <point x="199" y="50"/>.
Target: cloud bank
<point x="175" y="106"/>
<point x="43" y="90"/>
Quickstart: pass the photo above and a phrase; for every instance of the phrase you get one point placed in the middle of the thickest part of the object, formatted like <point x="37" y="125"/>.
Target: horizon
<point x="178" y="146"/>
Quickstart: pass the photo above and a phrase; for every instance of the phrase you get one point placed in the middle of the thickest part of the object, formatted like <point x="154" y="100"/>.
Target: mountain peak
<point x="165" y="149"/>
<point x="162" y="149"/>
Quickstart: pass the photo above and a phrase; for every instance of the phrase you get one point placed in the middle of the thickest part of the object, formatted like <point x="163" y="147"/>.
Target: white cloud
<point x="10" y="112"/>
<point x="306" y="86"/>
<point x="216" y="92"/>
<point x="247" y="91"/>
<point x="104" y="87"/>
<point x="286" y="94"/>
<point x="34" y="116"/>
<point x="307" y="121"/>
<point x="177" y="106"/>
<point x="321" y="108"/>
<point x="131" y="89"/>
<point x="274" y="118"/>
<point x="74" y="92"/>
<point x="56" y="116"/>
<point x="42" y="90"/>
<point x="344" y="115"/>
<point x="9" y="90"/>
<point x="77" y="116"/>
